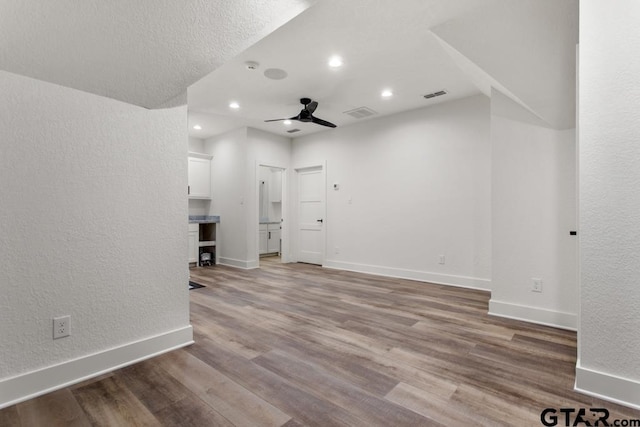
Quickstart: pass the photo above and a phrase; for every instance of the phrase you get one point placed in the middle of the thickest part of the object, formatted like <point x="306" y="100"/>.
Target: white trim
<point x="36" y="383"/>
<point x="422" y="276"/>
<point x="294" y="229"/>
<point x="238" y="263"/>
<point x="622" y="391"/>
<point x="284" y="223"/>
<point x="200" y="155"/>
<point x="541" y="316"/>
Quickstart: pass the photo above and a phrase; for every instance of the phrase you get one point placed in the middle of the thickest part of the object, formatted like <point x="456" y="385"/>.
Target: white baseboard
<point x="36" y="383"/>
<point x="557" y="319"/>
<point x="421" y="276"/>
<point x="238" y="263"/>
<point x="622" y="391"/>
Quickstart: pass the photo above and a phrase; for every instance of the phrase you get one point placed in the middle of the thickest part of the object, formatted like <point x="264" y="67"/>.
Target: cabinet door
<point x="273" y="243"/>
<point x="193" y="246"/>
<point x="199" y="178"/>
<point x="262" y="239"/>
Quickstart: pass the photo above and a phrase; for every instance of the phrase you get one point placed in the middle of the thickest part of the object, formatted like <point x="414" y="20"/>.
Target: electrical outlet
<point x="536" y="285"/>
<point x="441" y="259"/>
<point x="61" y="327"/>
<point x="336" y="250"/>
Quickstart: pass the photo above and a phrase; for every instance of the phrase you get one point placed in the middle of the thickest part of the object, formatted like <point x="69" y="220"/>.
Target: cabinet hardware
<point x="269" y="235"/>
<point x="319" y="220"/>
<point x="188" y="190"/>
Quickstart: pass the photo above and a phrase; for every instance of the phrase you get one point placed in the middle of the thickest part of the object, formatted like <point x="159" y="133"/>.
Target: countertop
<point x="204" y="219"/>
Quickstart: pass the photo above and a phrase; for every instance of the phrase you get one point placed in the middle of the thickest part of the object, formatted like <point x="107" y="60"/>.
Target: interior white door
<point x="311" y="210"/>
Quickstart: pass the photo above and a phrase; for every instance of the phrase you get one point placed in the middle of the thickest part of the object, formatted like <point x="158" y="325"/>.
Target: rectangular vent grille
<point x="293" y="130"/>
<point x="360" y="112"/>
<point x="434" y="94"/>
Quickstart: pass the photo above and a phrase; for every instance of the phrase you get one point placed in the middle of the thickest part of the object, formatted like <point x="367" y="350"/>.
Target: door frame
<point x="284" y="232"/>
<point x="294" y="244"/>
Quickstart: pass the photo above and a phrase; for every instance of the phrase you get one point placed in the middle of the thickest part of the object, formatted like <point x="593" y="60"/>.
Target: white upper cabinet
<point x="199" y="176"/>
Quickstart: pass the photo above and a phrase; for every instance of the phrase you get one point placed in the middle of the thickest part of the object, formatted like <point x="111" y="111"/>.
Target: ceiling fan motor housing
<point x="306" y="114"/>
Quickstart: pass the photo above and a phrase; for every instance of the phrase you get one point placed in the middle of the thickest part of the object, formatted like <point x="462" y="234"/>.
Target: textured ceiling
<point x="144" y="52"/>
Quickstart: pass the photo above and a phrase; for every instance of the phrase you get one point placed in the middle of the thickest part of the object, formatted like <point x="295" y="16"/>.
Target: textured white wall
<point x="609" y="108"/>
<point x="534" y="208"/>
<point x="419" y="184"/>
<point x="92" y="222"/>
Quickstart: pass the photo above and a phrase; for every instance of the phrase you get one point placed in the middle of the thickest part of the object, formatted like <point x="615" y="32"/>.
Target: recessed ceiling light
<point x="387" y="93"/>
<point x="197" y="127"/>
<point x="234" y="105"/>
<point x="287" y="122"/>
<point x="335" y="62"/>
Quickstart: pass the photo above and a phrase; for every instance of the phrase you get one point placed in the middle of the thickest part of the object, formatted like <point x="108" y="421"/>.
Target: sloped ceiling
<point x="144" y="52"/>
<point x="528" y="47"/>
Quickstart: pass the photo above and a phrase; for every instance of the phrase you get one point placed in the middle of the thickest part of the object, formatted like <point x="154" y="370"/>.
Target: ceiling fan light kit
<point x="306" y="114"/>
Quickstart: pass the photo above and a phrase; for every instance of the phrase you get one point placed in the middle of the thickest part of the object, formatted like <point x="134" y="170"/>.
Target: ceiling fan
<point x="306" y="114"/>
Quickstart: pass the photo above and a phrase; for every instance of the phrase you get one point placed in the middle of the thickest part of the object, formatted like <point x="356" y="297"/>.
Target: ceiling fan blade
<point x="279" y="120"/>
<point x="311" y="107"/>
<point x="322" y="122"/>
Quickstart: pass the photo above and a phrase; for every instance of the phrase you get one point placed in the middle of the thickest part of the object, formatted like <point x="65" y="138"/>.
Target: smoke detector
<point x="252" y="65"/>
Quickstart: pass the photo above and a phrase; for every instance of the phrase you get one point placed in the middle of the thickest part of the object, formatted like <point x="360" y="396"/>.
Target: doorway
<point x="270" y="213"/>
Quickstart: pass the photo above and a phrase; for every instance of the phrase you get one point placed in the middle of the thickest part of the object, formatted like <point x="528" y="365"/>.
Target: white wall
<point x="609" y="110"/>
<point x="236" y="157"/>
<point x="196" y="144"/>
<point x="229" y="175"/>
<point x="419" y="184"/>
<point x="534" y="209"/>
<point x="93" y="225"/>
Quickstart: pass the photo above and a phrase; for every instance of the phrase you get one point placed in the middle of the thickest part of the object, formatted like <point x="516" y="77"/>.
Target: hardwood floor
<point x="295" y="344"/>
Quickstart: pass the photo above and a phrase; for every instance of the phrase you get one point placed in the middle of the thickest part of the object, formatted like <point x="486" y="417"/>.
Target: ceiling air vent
<point x="434" y="94"/>
<point x="293" y="130"/>
<point x="360" y="112"/>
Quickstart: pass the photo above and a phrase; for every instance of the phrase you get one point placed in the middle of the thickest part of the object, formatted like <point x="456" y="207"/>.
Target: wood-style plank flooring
<point x="295" y="344"/>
